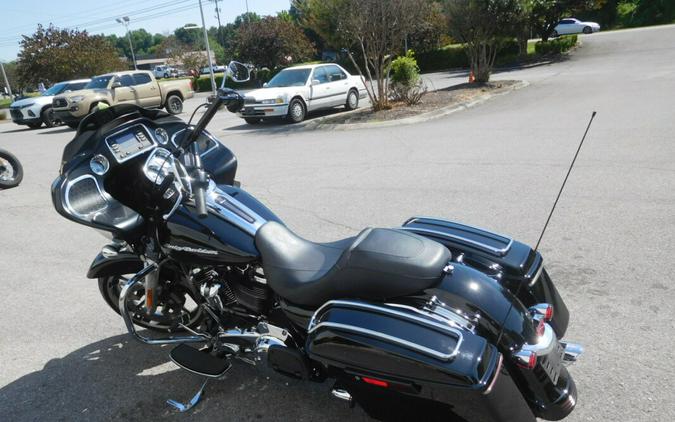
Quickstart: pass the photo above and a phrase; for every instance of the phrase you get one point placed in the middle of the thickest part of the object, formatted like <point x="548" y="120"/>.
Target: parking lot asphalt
<point x="609" y="247"/>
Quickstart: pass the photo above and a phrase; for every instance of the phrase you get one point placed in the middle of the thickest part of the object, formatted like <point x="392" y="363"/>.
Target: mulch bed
<point x="432" y="101"/>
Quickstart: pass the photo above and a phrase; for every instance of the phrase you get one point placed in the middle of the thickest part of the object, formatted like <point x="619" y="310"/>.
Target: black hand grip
<point x="200" y="202"/>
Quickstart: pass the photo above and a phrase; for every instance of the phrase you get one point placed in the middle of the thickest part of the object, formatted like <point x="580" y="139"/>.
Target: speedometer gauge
<point x="162" y="136"/>
<point x="99" y="165"/>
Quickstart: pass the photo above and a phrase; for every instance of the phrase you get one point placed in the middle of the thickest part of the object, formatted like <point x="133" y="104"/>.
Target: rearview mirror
<point x="315" y="82"/>
<point x="116" y="84"/>
<point x="238" y="72"/>
<point x="265" y="85"/>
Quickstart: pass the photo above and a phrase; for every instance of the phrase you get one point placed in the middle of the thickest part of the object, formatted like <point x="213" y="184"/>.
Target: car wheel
<point x="166" y="75"/>
<point x="34" y="125"/>
<point x="352" y="100"/>
<point x="554" y="34"/>
<point x="48" y="118"/>
<point x="296" y="111"/>
<point x="252" y="120"/>
<point x="174" y="105"/>
<point x="587" y="30"/>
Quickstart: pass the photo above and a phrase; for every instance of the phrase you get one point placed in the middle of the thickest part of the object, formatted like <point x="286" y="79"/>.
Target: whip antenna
<point x="565" y="181"/>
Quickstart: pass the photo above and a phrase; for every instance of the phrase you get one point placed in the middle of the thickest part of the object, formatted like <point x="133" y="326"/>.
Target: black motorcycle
<point x="432" y="319"/>
<point x="11" y="171"/>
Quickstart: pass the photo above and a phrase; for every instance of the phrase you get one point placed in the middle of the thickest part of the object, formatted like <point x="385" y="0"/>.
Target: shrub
<point x="454" y="56"/>
<point x="555" y="46"/>
<point x="406" y="84"/>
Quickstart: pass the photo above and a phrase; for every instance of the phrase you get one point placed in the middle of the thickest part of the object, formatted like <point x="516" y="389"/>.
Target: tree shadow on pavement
<point x="119" y="378"/>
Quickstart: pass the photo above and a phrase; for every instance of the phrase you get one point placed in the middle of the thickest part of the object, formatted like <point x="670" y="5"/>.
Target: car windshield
<point x="55" y="90"/>
<point x="289" y="77"/>
<point x="98" y="82"/>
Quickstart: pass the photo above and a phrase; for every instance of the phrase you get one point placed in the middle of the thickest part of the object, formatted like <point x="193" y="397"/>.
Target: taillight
<point x="543" y="309"/>
<point x="379" y="383"/>
<point x="526" y="359"/>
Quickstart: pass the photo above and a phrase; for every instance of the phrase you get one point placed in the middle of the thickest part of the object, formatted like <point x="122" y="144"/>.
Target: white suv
<point x="34" y="111"/>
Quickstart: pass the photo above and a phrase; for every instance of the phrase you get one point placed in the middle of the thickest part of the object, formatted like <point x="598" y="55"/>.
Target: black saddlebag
<point x="514" y="264"/>
<point x="400" y="358"/>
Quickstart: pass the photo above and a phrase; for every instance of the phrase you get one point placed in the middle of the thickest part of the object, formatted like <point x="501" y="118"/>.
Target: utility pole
<point x="125" y="21"/>
<point x="4" y="76"/>
<point x="220" y="29"/>
<point x="208" y="49"/>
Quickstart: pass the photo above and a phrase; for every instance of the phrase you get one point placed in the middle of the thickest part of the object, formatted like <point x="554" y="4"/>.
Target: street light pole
<point x="208" y="50"/>
<point x="125" y="21"/>
<point x="4" y="76"/>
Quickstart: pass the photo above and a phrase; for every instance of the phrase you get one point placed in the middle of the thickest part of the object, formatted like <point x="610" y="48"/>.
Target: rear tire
<point x="174" y="104"/>
<point x="48" y="118"/>
<point x="10" y="176"/>
<point x="296" y="111"/>
<point x="352" y="100"/>
<point x="587" y="30"/>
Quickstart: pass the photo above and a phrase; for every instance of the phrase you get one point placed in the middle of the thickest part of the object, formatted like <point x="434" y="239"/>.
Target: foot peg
<point x="199" y="362"/>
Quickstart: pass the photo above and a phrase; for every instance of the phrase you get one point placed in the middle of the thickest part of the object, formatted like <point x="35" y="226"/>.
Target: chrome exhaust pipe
<point x="572" y="352"/>
<point x="124" y="311"/>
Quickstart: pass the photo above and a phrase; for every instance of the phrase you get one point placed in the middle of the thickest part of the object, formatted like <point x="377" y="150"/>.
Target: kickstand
<point x="185" y="407"/>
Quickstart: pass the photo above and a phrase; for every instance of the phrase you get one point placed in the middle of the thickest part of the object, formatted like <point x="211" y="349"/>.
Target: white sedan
<point x="298" y="90"/>
<point x="575" y="26"/>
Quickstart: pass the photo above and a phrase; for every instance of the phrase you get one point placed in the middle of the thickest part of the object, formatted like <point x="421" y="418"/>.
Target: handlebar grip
<point x="200" y="202"/>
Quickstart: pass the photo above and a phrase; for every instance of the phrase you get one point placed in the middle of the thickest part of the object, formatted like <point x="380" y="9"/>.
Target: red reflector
<point x="549" y="313"/>
<point x="379" y="383"/>
<point x="541" y="327"/>
<point x="526" y="359"/>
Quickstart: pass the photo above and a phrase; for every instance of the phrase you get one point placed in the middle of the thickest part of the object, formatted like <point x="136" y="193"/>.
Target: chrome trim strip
<point x="492" y="383"/>
<point x="479" y="245"/>
<point x="391" y="339"/>
<point x="230" y="216"/>
<point x="501" y="251"/>
<point x="455" y="320"/>
<point x="205" y="133"/>
<point x="71" y="183"/>
<point x="392" y="312"/>
<point x="536" y="276"/>
<point x="179" y="201"/>
<point x="148" y="132"/>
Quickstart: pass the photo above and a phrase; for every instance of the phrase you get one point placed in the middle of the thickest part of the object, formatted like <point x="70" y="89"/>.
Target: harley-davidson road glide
<point x="437" y="318"/>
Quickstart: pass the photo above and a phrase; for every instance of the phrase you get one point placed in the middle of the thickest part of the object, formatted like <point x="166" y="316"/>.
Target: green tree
<point x="545" y="14"/>
<point x="10" y="70"/>
<point x="273" y="42"/>
<point x="481" y="25"/>
<point x="52" y="55"/>
<point x="371" y="30"/>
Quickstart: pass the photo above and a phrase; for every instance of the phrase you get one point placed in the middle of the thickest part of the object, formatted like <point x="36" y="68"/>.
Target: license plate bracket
<point x="552" y="362"/>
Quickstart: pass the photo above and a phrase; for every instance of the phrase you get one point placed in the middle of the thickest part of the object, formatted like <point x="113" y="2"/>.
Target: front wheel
<point x="587" y="30"/>
<point x="296" y="111"/>
<point x="174" y="104"/>
<point x="11" y="171"/>
<point x="175" y="305"/>
<point x="48" y="118"/>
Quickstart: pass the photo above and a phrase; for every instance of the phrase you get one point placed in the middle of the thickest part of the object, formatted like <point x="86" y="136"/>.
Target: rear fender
<point x="111" y="261"/>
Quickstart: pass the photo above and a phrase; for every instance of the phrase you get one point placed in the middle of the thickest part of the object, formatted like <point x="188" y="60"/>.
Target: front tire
<point x="48" y="118"/>
<point x="11" y="171"/>
<point x="587" y="30"/>
<point x="174" y="104"/>
<point x="296" y="111"/>
<point x="171" y="310"/>
<point x="352" y="100"/>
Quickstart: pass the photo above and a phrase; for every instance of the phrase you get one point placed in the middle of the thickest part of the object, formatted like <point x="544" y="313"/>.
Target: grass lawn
<point x="4" y="103"/>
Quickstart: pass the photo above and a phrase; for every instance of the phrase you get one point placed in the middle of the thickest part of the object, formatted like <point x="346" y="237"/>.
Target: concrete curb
<point x="324" y="122"/>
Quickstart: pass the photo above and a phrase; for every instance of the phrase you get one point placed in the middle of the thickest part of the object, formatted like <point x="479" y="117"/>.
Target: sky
<point x="19" y="17"/>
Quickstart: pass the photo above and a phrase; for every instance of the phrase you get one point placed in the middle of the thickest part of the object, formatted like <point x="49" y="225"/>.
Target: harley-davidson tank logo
<point x="193" y="250"/>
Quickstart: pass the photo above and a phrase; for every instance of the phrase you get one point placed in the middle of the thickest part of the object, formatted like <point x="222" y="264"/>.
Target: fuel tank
<point x="225" y="236"/>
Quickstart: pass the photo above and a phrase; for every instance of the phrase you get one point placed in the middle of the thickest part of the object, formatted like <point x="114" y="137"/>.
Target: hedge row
<point x="455" y="56"/>
<point x="556" y="45"/>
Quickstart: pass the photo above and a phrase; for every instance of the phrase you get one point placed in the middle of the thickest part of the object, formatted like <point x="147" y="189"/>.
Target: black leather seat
<point x="375" y="265"/>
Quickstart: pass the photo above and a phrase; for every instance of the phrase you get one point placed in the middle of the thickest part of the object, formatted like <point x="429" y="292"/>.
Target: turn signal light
<point x="543" y="309"/>
<point x="526" y="359"/>
<point x="379" y="383"/>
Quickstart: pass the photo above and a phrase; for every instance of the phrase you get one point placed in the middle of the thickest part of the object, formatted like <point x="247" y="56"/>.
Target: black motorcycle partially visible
<point x="433" y="319"/>
<point x="11" y="171"/>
